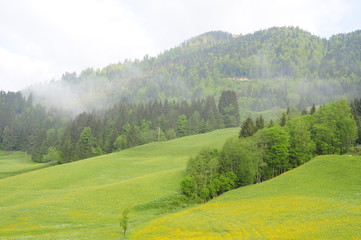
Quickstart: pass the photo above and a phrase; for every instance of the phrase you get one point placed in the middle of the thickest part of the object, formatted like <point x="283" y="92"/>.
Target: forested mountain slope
<point x="276" y="67"/>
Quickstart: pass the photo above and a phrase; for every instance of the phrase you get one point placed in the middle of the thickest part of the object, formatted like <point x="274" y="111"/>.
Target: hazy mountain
<point x="276" y="67"/>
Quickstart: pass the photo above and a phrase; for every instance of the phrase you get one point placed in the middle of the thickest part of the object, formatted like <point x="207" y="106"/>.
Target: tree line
<point x="263" y="151"/>
<point x="52" y="136"/>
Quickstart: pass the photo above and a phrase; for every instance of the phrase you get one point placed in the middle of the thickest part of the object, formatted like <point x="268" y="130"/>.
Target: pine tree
<point x="229" y="109"/>
<point x="283" y="120"/>
<point x="270" y="124"/>
<point x="248" y="128"/>
<point x="259" y="123"/>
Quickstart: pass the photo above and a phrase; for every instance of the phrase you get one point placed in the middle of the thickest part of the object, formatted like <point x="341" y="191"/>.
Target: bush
<point x="188" y="186"/>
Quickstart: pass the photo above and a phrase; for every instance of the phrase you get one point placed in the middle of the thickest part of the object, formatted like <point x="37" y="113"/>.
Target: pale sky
<point x="42" y="39"/>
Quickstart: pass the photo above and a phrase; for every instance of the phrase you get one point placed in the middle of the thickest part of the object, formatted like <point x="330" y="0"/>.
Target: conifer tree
<point x="229" y="109"/>
<point x="313" y="109"/>
<point x="283" y="119"/>
<point x="259" y="123"/>
<point x="248" y="128"/>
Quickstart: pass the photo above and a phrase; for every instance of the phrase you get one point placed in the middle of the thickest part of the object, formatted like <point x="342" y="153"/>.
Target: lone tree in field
<point x="124" y="221"/>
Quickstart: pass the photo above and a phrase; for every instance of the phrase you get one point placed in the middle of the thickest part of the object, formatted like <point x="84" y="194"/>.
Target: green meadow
<point x="319" y="200"/>
<point x="13" y="163"/>
<point x="84" y="199"/>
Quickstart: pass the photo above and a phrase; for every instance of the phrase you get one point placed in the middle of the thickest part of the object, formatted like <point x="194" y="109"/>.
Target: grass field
<point x="83" y="200"/>
<point x="319" y="200"/>
<point x="13" y="163"/>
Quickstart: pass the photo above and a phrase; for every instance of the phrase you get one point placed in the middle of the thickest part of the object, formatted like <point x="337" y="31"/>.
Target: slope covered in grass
<point x="13" y="163"/>
<point x="319" y="200"/>
<point x="83" y="200"/>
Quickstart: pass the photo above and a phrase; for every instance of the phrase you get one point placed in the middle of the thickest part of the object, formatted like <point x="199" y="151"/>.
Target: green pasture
<point x="319" y="200"/>
<point x="13" y="163"/>
<point x="84" y="199"/>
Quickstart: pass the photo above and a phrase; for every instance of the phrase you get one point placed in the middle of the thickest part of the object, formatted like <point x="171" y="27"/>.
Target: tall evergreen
<point x="283" y="119"/>
<point x="229" y="109"/>
<point x="248" y="128"/>
<point x="259" y="123"/>
<point x="313" y="109"/>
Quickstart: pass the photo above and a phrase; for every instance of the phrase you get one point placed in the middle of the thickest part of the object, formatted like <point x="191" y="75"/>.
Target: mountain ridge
<point x="281" y="58"/>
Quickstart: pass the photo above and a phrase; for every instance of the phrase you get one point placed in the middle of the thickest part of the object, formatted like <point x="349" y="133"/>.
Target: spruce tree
<point x="283" y="120"/>
<point x="259" y="123"/>
<point x="248" y="128"/>
<point x="229" y="109"/>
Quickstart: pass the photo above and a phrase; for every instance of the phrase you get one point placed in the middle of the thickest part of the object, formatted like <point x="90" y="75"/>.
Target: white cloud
<point x="41" y="39"/>
<point x="15" y="70"/>
<point x="62" y="36"/>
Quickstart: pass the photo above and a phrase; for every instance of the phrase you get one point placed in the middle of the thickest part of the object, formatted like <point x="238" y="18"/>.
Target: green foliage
<point x="87" y="146"/>
<point x="124" y="221"/>
<point x="195" y="123"/>
<point x="166" y="203"/>
<point x="259" y="123"/>
<point x="277" y="145"/>
<point x="356" y="112"/>
<point x="123" y="126"/>
<point x="201" y="169"/>
<point x="334" y="128"/>
<point x="248" y="128"/>
<point x="120" y="143"/>
<point x="188" y="186"/>
<point x="182" y="126"/>
<point x="53" y="155"/>
<point x="255" y="157"/>
<point x="283" y="120"/>
<point x="302" y="147"/>
<point x="210" y="173"/>
<point x="171" y="134"/>
<point x="240" y="156"/>
<point x="229" y="109"/>
<point x="313" y="109"/>
<point x="205" y="194"/>
<point x="223" y="183"/>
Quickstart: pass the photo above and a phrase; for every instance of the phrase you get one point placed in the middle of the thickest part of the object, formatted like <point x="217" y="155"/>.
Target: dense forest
<point x="278" y="67"/>
<point x="50" y="136"/>
<point x="263" y="151"/>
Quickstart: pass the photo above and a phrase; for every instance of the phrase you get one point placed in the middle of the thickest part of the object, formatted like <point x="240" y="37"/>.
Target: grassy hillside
<point x="319" y="200"/>
<point x="83" y="200"/>
<point x="13" y="163"/>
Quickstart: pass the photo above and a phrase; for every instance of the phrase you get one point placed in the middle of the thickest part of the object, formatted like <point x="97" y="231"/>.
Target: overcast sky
<point x="42" y="39"/>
